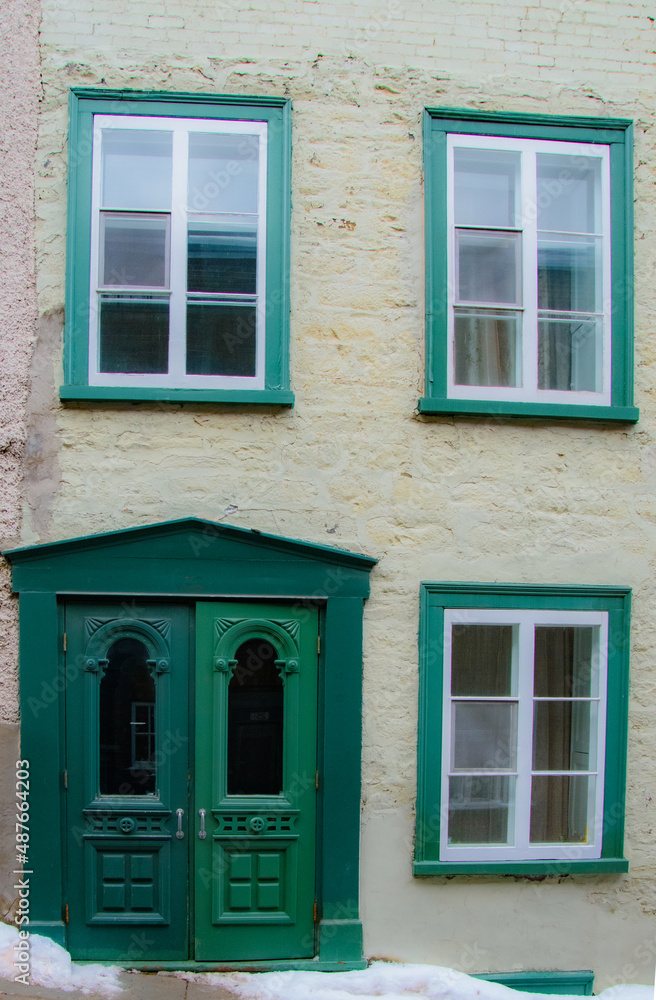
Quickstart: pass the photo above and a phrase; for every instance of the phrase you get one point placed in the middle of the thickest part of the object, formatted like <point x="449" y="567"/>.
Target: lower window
<point x="523" y="726"/>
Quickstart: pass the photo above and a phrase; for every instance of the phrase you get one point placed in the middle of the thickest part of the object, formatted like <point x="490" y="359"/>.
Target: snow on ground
<point x="51" y="965"/>
<point x="385" y="981"/>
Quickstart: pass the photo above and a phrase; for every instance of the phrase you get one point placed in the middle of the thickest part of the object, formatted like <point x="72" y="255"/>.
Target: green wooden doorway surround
<point x="186" y="561"/>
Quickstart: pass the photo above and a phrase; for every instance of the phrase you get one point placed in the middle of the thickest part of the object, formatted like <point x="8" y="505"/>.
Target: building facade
<point x="330" y="469"/>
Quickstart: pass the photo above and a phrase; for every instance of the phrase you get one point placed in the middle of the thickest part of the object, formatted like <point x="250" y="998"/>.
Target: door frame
<point x="195" y="559"/>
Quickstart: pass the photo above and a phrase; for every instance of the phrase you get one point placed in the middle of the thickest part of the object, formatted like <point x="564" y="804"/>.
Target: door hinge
<point x="65" y="913"/>
<point x="314" y="912"/>
<point x="64" y="643"/>
<point x="316" y="779"/>
<point x="318" y="644"/>
<point x="65" y="779"/>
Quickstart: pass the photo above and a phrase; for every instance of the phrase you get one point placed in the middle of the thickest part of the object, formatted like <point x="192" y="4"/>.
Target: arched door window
<point x="127" y="721"/>
<point x="255" y="721"/>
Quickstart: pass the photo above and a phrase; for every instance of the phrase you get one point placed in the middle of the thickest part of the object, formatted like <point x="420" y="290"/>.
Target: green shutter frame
<point x="614" y="132"/>
<point x="435" y="597"/>
<point x="84" y="103"/>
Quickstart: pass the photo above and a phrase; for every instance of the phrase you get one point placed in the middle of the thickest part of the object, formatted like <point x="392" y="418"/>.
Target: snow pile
<point x="383" y="980"/>
<point x="51" y="965"/>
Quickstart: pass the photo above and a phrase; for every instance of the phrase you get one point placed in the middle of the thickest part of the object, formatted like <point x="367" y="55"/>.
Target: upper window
<point x="522" y="740"/>
<point x="178" y="240"/>
<point x="528" y="258"/>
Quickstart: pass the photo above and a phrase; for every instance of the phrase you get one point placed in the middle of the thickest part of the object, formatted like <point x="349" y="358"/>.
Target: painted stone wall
<point x="352" y="464"/>
<point x="19" y="95"/>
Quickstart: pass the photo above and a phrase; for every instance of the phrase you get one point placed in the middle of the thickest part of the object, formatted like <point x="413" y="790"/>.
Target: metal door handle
<point x="179" y="813"/>
<point x="201" y="832"/>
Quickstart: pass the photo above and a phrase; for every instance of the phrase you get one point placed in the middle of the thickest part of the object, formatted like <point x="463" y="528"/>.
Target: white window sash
<point x="528" y="391"/>
<point x="176" y="377"/>
<point x="519" y="847"/>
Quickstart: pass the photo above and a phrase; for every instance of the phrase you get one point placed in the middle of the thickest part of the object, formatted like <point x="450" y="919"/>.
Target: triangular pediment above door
<point x="192" y="555"/>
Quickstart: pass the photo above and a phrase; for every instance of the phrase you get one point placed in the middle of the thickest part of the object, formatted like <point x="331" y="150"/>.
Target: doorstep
<point x="136" y="986"/>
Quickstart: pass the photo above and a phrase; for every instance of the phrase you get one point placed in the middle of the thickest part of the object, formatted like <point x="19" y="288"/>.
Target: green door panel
<point x="127" y="775"/>
<point x="255" y="781"/>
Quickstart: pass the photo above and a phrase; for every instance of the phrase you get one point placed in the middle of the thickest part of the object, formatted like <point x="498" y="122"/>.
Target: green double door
<point x="190" y="783"/>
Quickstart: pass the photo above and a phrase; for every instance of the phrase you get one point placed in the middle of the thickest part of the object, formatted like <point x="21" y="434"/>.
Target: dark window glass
<point x="127" y="716"/>
<point x="255" y="722"/>
<point x="481" y="660"/>
<point x="222" y="258"/>
<point x="220" y="339"/>
<point x="134" y="335"/>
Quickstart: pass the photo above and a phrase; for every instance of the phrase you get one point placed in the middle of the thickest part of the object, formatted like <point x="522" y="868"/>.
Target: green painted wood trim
<point x="175" y="98"/>
<point x="42" y="721"/>
<point x="264" y="397"/>
<point x="277" y="965"/>
<point x="435" y="597"/>
<point x="339" y="765"/>
<point x="84" y="103"/>
<point x="55" y="930"/>
<point x="530" y="126"/>
<point x="208" y="534"/>
<point x="602" y="866"/>
<point x="555" y="983"/>
<point x="506" y="408"/>
<point x="340" y="942"/>
<point x="617" y="133"/>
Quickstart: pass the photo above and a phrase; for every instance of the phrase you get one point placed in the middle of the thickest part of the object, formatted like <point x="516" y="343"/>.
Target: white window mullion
<point x="94" y="305"/>
<point x="530" y="270"/>
<point x="604" y="201"/>
<point x="178" y="307"/>
<point x="596" y="803"/>
<point x="446" y="732"/>
<point x="260" y="312"/>
<point x="524" y="734"/>
<point x="451" y="263"/>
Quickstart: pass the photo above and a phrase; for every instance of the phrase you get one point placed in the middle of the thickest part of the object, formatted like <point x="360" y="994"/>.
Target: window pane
<point x="126" y="707"/>
<point x="222" y="257"/>
<point x="569" y="275"/>
<point x="567" y="193"/>
<point x="223" y="173"/>
<point x="559" y="809"/>
<point x="255" y="722"/>
<point x="136" y="169"/>
<point x="487" y="348"/>
<point x="486" y="187"/>
<point x="488" y="267"/>
<point x="134" y="250"/>
<point x="561" y="736"/>
<point x="220" y="339"/>
<point x="143" y="733"/>
<point x="481" y="659"/>
<point x="570" y="354"/>
<point x="485" y="735"/>
<point x="134" y="335"/>
<point x="479" y="808"/>
<point x="566" y="661"/>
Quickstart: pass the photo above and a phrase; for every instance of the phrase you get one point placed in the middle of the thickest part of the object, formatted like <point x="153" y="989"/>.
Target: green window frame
<point x="442" y="603"/>
<point x="441" y="128"/>
<point x="270" y="117"/>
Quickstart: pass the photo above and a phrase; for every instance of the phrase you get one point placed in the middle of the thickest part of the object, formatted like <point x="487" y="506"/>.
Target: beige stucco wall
<point x="352" y="464"/>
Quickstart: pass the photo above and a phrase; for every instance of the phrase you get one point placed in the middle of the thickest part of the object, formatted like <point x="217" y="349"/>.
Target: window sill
<point x="603" y="866"/>
<point x="556" y="411"/>
<point x="260" y="397"/>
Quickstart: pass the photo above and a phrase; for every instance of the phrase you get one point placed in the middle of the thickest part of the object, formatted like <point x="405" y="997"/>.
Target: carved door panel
<point x="255" y="799"/>
<point x="127" y="671"/>
<point x="141" y="860"/>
